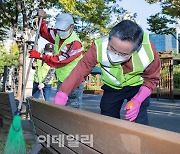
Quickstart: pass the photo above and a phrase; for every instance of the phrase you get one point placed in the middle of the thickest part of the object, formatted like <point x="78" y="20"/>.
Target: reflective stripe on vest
<point x="52" y="34"/>
<point x="41" y="72"/>
<point x="113" y="76"/>
<point x="106" y="61"/>
<point x="63" y="72"/>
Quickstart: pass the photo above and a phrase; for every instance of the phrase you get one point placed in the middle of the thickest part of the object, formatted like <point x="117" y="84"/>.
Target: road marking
<point x="163" y="113"/>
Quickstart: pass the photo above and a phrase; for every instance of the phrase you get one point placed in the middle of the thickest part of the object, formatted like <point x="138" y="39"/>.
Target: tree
<point x="17" y="15"/>
<point x="2" y="34"/>
<point x="8" y="58"/>
<point x="93" y="16"/>
<point x="164" y="21"/>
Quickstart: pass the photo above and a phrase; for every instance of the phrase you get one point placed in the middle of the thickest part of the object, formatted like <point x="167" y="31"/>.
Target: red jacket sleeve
<point x="152" y="72"/>
<point x="59" y="61"/>
<point x="46" y="33"/>
<point x="82" y="69"/>
<point x="87" y="63"/>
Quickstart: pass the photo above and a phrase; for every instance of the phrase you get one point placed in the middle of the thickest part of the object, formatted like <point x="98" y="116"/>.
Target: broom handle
<point x="30" y="64"/>
<point x="41" y="89"/>
<point x="42" y="94"/>
<point x="36" y="68"/>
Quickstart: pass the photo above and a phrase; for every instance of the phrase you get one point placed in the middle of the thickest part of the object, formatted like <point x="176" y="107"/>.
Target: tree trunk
<point x="20" y="78"/>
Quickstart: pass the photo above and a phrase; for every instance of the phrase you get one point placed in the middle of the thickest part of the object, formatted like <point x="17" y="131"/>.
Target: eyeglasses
<point x="120" y="53"/>
<point x="65" y="29"/>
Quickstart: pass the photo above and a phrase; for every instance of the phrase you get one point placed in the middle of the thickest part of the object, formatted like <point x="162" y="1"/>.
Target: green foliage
<point x="8" y="59"/>
<point x="93" y="17"/>
<point x="169" y="7"/>
<point x="175" y="55"/>
<point x="3" y="34"/>
<point x="18" y="14"/>
<point x="160" y="24"/>
<point x="176" y="75"/>
<point x="153" y="1"/>
<point x="164" y="21"/>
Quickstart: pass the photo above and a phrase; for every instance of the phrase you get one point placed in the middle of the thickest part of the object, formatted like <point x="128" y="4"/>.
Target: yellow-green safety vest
<point x="63" y="72"/>
<point x="113" y="76"/>
<point x="41" y="72"/>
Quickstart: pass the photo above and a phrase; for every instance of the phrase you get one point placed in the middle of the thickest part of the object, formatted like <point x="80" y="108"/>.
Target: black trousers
<point x="112" y="100"/>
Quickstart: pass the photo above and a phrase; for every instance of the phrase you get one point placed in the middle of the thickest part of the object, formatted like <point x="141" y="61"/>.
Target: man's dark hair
<point x="128" y="30"/>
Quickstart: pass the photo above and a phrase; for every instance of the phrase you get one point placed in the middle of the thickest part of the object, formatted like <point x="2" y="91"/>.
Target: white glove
<point x="34" y="64"/>
<point x="40" y="86"/>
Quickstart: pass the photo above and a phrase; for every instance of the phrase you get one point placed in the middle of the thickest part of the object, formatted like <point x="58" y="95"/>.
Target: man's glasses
<point x="119" y="53"/>
<point x="65" y="29"/>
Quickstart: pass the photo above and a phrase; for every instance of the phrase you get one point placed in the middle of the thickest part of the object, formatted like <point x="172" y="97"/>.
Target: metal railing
<point x="165" y="86"/>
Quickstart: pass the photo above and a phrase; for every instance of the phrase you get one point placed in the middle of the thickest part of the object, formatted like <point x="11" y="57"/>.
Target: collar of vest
<point x="71" y="38"/>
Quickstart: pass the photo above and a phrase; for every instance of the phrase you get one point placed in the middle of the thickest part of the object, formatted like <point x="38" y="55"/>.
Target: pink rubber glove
<point x="142" y="94"/>
<point x="60" y="98"/>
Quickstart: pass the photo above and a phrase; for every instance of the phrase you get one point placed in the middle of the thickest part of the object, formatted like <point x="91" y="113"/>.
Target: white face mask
<point x="115" y="58"/>
<point x="64" y="35"/>
<point x="48" y="53"/>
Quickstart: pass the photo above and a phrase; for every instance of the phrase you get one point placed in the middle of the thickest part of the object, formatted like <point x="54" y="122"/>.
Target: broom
<point x="15" y="143"/>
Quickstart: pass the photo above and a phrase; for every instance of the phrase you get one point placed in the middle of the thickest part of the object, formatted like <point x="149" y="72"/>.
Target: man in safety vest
<point x="43" y="76"/>
<point x="67" y="52"/>
<point x="130" y="70"/>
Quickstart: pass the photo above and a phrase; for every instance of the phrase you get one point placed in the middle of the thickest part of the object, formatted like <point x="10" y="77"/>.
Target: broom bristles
<point x="15" y="143"/>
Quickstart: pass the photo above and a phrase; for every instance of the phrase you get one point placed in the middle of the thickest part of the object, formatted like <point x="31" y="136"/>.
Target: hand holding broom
<point x="15" y="142"/>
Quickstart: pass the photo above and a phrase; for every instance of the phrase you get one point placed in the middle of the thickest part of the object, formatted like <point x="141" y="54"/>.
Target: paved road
<point x="163" y="113"/>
